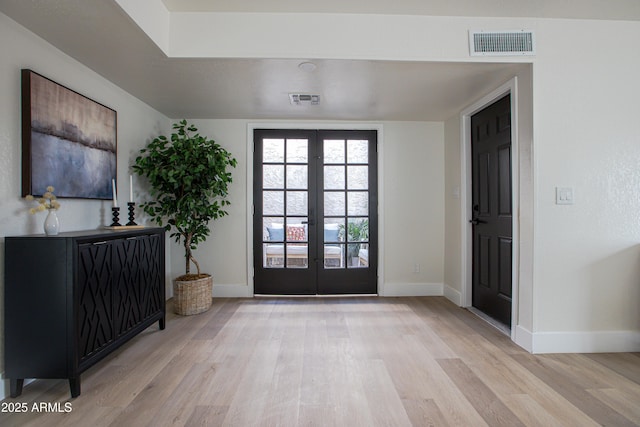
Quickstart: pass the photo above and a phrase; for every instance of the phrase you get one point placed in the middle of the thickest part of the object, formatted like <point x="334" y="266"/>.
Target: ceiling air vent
<point x="304" y="99"/>
<point x="502" y="43"/>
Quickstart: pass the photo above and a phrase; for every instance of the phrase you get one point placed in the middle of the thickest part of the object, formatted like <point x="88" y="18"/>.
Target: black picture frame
<point x="68" y="141"/>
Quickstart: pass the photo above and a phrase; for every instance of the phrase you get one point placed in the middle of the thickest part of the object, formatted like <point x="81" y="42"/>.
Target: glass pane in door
<point x="346" y="203"/>
<point x="285" y="210"/>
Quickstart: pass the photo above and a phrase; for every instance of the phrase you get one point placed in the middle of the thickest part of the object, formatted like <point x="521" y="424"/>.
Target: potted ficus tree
<point x="189" y="178"/>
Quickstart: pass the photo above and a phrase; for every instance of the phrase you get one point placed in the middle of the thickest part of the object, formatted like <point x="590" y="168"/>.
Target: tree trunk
<point x="187" y="253"/>
<point x="196" y="264"/>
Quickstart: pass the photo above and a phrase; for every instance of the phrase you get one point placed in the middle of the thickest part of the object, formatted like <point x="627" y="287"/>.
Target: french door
<point x="315" y="212"/>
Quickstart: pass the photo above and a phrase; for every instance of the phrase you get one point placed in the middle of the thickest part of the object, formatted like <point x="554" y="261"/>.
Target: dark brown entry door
<point x="492" y="210"/>
<point x="315" y="212"/>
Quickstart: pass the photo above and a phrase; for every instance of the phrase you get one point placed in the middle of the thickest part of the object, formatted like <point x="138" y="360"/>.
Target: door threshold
<point x="314" y="296"/>
<point x="505" y="329"/>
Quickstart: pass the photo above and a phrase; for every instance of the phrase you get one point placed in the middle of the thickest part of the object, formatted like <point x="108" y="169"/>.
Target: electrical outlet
<point x="456" y="192"/>
<point x="416" y="268"/>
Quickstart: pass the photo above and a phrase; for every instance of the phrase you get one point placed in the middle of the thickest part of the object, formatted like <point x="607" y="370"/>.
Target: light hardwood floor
<point x="362" y="361"/>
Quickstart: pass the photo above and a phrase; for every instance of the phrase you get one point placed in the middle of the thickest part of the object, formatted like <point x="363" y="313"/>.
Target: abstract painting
<point x="68" y="141"/>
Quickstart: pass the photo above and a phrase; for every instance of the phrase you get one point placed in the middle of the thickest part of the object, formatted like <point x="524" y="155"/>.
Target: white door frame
<point x="509" y="87"/>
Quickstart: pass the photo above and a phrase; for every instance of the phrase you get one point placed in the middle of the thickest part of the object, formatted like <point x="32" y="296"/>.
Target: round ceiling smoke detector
<point x="307" y="66"/>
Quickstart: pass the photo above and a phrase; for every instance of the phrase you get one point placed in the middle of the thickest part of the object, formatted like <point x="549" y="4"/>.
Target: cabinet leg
<point x="161" y="323"/>
<point x="74" y="385"/>
<point x="15" y="387"/>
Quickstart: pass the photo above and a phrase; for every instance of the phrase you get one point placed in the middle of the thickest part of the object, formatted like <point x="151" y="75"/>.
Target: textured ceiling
<point x="100" y="35"/>
<point x="584" y="9"/>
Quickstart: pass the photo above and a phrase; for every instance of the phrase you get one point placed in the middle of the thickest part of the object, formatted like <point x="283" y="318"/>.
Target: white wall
<point x="413" y="171"/>
<point x="136" y="124"/>
<point x="587" y="255"/>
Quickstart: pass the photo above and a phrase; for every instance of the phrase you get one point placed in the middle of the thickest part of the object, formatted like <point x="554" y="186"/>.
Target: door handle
<point x="476" y="221"/>
<point x="312" y="219"/>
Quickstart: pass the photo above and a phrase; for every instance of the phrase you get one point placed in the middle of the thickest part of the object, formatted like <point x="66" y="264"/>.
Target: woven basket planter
<point x="192" y="296"/>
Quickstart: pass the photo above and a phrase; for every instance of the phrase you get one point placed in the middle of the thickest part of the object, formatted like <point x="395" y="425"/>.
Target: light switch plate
<point x="564" y="195"/>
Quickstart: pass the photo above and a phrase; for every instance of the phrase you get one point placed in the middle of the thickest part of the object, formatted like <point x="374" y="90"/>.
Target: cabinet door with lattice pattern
<point x="94" y="295"/>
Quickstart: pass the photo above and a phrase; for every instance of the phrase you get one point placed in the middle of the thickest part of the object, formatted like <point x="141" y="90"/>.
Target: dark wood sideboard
<point x="73" y="298"/>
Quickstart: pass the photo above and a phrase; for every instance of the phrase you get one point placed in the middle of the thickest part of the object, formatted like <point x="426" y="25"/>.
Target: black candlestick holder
<point x="116" y="213"/>
<point x="131" y="213"/>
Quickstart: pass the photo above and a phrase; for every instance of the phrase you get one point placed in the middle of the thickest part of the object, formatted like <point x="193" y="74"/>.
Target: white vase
<point x="51" y="223"/>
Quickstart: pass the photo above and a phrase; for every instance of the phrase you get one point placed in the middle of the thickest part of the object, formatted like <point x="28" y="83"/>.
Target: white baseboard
<point x="4" y="388"/>
<point x="411" y="290"/>
<point x="586" y="342"/>
<point x="523" y="338"/>
<point x="577" y="342"/>
<point x="388" y="290"/>
<point x="231" y="291"/>
<point x="453" y="295"/>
